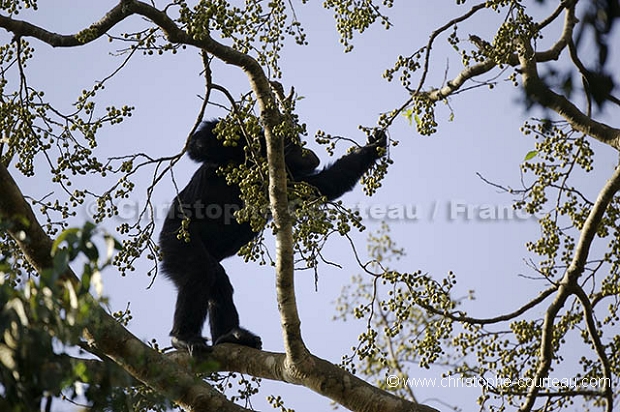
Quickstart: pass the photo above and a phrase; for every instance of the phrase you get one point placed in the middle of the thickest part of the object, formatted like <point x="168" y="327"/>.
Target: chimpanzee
<point x="214" y="234"/>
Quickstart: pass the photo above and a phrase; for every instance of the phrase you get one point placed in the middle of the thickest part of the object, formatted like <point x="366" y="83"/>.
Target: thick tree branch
<point x="165" y="376"/>
<point x="29" y="235"/>
<point x="326" y="379"/>
<point x="22" y="28"/>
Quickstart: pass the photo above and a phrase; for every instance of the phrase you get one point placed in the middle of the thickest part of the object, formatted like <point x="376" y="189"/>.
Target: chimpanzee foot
<point x="193" y="344"/>
<point x="241" y="336"/>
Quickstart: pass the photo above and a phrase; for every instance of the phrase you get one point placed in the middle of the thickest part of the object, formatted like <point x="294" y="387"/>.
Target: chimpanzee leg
<point x="203" y="287"/>
<point x="190" y="313"/>
<point x="224" y="318"/>
<point x="223" y="315"/>
<point x="193" y="271"/>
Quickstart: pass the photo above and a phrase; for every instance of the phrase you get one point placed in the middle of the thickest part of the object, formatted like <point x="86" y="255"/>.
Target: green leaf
<point x="68" y="235"/>
<point x="409" y="116"/>
<point x="81" y="371"/>
<point x="530" y="155"/>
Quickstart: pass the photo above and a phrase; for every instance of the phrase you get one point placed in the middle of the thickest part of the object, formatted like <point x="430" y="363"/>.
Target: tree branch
<point x="599" y="348"/>
<point x="457" y="317"/>
<point x="436" y="33"/>
<point x="327" y="379"/>
<point x="164" y="375"/>
<point x="22" y="28"/>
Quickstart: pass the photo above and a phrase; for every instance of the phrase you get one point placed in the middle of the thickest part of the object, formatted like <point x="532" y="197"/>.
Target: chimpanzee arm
<point x="341" y="176"/>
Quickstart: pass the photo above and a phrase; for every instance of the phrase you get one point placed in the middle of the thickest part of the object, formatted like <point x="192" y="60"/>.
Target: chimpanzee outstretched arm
<point x="341" y="176"/>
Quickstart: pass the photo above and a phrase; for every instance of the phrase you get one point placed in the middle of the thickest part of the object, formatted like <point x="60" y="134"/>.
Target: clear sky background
<point x="341" y="91"/>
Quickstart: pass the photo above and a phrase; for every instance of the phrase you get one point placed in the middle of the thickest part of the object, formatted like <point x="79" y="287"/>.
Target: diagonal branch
<point x="327" y="379"/>
<point x="22" y="28"/>
<point x="436" y="33"/>
<point x="553" y="53"/>
<point x="598" y="346"/>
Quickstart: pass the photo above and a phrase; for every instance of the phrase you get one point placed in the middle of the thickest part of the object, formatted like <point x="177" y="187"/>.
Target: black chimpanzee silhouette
<point x="209" y="200"/>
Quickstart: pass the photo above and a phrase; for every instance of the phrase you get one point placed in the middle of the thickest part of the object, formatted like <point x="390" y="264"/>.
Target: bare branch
<point x="326" y="379"/>
<point x="437" y="32"/>
<point x="22" y="28"/>
<point x="598" y="346"/>
<point x="502" y="318"/>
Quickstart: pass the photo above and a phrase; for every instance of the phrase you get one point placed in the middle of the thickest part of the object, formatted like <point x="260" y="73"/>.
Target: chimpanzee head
<point x="205" y="146"/>
<point x="299" y="160"/>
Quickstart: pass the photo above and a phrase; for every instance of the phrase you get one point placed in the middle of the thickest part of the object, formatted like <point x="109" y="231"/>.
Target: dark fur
<point x="194" y="267"/>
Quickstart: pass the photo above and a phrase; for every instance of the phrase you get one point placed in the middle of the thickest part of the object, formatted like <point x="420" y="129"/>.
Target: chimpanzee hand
<point x="378" y="138"/>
